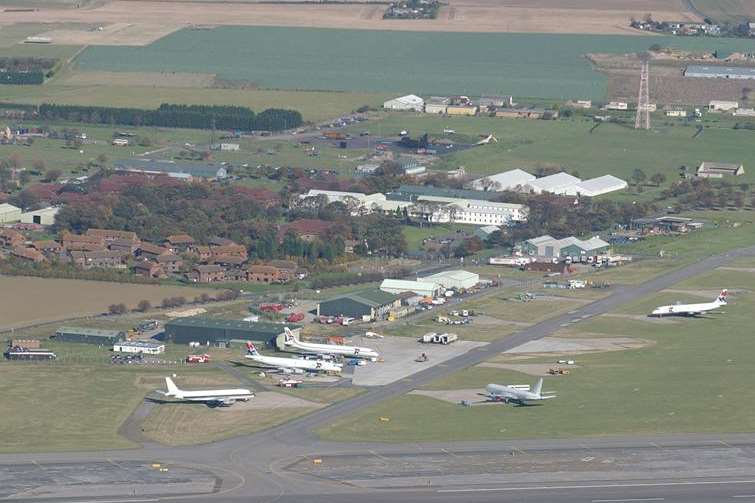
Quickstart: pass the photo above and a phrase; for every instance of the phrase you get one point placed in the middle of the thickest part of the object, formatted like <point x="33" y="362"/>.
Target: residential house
<point x="10" y="238"/>
<point x="149" y="269"/>
<point x="109" y="235"/>
<point x="179" y="242"/>
<point x="207" y="274"/>
<point x="171" y="264"/>
<point x="289" y="269"/>
<point x="77" y="242"/>
<point x="260" y="273"/>
<point x="47" y="246"/>
<point x="102" y="259"/>
<point x="203" y="252"/>
<point x="229" y="250"/>
<point x="28" y="254"/>
<point x="151" y="251"/>
<point x="125" y="246"/>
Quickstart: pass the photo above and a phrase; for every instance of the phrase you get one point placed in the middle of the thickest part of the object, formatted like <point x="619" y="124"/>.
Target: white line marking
<point x="117" y="501"/>
<point x="598" y="486"/>
<point x="627" y="500"/>
<point x="744" y="496"/>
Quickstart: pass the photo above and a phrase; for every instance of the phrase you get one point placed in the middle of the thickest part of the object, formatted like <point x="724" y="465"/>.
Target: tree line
<point x="177" y="116"/>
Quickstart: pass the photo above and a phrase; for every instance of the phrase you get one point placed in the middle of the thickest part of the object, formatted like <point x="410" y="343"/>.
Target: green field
<point x="732" y="11"/>
<point x="696" y="377"/>
<point x="543" y="65"/>
<point x="569" y="145"/>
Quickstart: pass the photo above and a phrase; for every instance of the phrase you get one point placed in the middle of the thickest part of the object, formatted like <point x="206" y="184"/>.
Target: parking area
<point x="399" y="354"/>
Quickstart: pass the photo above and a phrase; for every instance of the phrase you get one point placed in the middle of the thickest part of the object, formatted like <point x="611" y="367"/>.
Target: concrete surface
<point x="563" y="345"/>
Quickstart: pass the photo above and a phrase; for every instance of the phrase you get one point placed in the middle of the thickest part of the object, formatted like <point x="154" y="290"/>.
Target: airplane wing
<point x="221" y="402"/>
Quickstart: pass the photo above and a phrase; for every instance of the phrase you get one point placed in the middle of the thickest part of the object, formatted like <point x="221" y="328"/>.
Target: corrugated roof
<point x="505" y="180"/>
<point x="601" y="185"/>
<point x="408" y="285"/>
<point x="223" y="324"/>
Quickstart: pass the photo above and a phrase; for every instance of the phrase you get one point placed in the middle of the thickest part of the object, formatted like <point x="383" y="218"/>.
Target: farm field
<point x="570" y="145"/>
<point x="380" y="61"/>
<point x="734" y="11"/>
<point x="685" y="382"/>
<point x="27" y="300"/>
<point x="584" y="16"/>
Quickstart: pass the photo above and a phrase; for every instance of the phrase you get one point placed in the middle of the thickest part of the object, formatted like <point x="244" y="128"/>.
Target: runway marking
<point x="627" y="500"/>
<point x="143" y="500"/>
<point x="449" y="453"/>
<point x="598" y="486"/>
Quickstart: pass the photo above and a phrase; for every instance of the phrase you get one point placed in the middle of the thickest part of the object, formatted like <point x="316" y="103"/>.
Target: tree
<point x="52" y="175"/>
<point x="117" y="308"/>
<point x="638" y="176"/>
<point x="143" y="306"/>
<point x="657" y="179"/>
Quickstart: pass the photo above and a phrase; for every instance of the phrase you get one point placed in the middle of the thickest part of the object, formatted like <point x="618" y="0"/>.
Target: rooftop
<point x="222" y="324"/>
<point x="89" y="332"/>
<point x="412" y="192"/>
<point x="372" y="297"/>
<point x="554" y="182"/>
<point x="712" y="71"/>
<point x="503" y="181"/>
<point x="7" y="208"/>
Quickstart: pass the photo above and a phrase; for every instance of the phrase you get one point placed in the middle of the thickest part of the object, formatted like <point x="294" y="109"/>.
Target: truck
<point x="334" y="135"/>
<point x="205" y="358"/>
<point x="271" y="308"/>
<point x="294" y="317"/>
<point x="436" y="338"/>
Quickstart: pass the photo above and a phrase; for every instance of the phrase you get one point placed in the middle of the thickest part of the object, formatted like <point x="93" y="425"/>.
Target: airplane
<point x="331" y="349"/>
<point x="212" y="397"/>
<point x="516" y="394"/>
<point x="291" y="365"/>
<point x="691" y="309"/>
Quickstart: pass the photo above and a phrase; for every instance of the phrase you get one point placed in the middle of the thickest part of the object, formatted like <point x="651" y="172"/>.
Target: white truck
<point x="436" y="338"/>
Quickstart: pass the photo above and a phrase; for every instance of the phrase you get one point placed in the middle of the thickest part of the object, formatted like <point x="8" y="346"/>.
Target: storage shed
<point x="458" y="280"/>
<point x="9" y="213"/>
<point x="89" y="335"/>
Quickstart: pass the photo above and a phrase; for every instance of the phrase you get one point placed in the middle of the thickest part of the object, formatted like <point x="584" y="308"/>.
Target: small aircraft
<point x="691" y="309"/>
<point x="520" y="395"/>
<point x="291" y="365"/>
<point x="212" y="397"/>
<point x="330" y="349"/>
<point x="487" y="140"/>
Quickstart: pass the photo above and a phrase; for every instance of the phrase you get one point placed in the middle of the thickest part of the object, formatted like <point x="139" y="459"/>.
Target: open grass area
<point x="387" y="61"/>
<point x="415" y="235"/>
<point x="722" y="11"/>
<point x="186" y="424"/>
<point x="696" y="377"/>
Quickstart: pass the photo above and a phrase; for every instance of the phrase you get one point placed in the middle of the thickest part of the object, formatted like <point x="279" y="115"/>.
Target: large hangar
<point x="219" y="331"/>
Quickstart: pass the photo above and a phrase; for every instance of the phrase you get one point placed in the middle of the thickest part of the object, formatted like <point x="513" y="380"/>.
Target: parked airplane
<point x="516" y="394"/>
<point x="291" y="365"/>
<point x="212" y="397"/>
<point x="331" y="349"/>
<point x="691" y="309"/>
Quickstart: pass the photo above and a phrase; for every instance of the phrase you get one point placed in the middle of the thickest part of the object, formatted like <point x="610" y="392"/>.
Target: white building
<point x="45" y="216"/>
<point x="458" y="280"/>
<point x="559" y="183"/>
<point x="362" y="202"/>
<point x="408" y="102"/>
<point x="424" y="288"/>
<point x="147" y="348"/>
<point x="722" y="106"/>
<point x="597" y="186"/>
<point x="9" y="213"/>
<point x="617" y="105"/>
<point x="475" y="211"/>
<point x="507" y="180"/>
<point x="437" y="105"/>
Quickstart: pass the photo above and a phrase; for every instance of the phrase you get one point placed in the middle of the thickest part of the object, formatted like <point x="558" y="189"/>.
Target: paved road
<point x="255" y="466"/>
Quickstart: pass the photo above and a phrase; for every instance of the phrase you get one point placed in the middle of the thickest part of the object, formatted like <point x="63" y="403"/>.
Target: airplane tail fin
<point x="538" y="387"/>
<point x="250" y="349"/>
<point x="722" y="296"/>
<point x="172" y="388"/>
<point x="289" y="336"/>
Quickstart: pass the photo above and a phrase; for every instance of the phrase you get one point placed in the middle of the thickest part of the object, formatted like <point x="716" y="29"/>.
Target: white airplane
<point x="291" y="365"/>
<point x="212" y="397"/>
<point x="516" y="394"/>
<point x="329" y="349"/>
<point x="487" y="140"/>
<point x="691" y="309"/>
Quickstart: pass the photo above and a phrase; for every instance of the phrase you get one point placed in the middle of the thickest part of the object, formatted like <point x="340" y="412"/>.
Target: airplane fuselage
<point x="295" y="364"/>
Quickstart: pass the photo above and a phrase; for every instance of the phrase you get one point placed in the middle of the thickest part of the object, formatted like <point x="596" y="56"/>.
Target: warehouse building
<point x="89" y="336"/>
<point x="570" y="247"/>
<point x="366" y="305"/>
<point x="559" y="183"/>
<point x="45" y="216"/>
<point x="720" y="72"/>
<point x="507" y="180"/>
<point x="597" y="186"/>
<point x="405" y="103"/>
<point x="719" y="169"/>
<point x="457" y="280"/>
<point x="9" y="213"/>
<point x="722" y="106"/>
<point x="475" y="211"/>
<point x="419" y="287"/>
<point x="436" y="105"/>
<point x="218" y="331"/>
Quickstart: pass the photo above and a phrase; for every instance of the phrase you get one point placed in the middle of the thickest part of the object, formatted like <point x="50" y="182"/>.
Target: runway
<point x="262" y="467"/>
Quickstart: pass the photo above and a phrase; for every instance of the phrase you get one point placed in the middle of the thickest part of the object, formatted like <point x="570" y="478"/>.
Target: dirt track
<point x="135" y="20"/>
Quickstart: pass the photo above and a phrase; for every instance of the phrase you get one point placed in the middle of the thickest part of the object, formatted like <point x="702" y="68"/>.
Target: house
<point x="124" y="245"/>
<point x="171" y="264"/>
<point x="207" y="273"/>
<point x="203" y="252"/>
<point x="228" y="261"/>
<point x="9" y="213"/>
<point x="306" y="229"/>
<point x="99" y="259"/>
<point x="617" y="105"/>
<point x="290" y="270"/>
<point x="151" y="251"/>
<point x="179" y="242"/>
<point x="405" y="103"/>
<point x="230" y="249"/>
<point x="719" y="169"/>
<point x="77" y="242"/>
<point x="436" y="105"/>
<point x="148" y="269"/>
<point x="722" y="106"/>
<point x="10" y="238"/>
<point x="506" y="180"/>
<point x="260" y="273"/>
<point x="45" y="216"/>
<point x="27" y="254"/>
<point x="108" y="235"/>
<point x="47" y="246"/>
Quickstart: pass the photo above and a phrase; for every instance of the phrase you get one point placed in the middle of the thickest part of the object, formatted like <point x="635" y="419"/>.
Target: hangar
<point x="365" y="305"/>
<point x="458" y="280"/>
<point x="219" y="331"/>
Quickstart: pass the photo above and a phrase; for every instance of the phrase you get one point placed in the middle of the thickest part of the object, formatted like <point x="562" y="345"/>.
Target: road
<point x="258" y="467"/>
